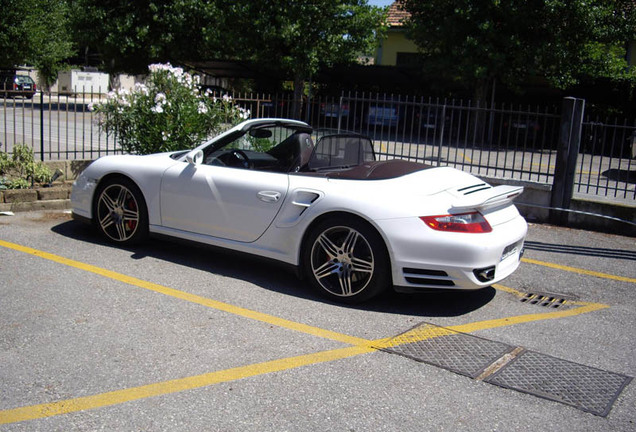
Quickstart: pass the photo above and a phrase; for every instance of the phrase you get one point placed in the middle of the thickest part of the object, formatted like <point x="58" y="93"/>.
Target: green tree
<point x="293" y="39"/>
<point x="35" y="32"/>
<point x="297" y="38"/>
<point x="131" y="35"/>
<point x="480" y="42"/>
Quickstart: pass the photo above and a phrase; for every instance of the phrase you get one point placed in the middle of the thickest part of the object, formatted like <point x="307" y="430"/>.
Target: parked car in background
<point x="334" y="110"/>
<point x="13" y="85"/>
<point x="386" y="114"/>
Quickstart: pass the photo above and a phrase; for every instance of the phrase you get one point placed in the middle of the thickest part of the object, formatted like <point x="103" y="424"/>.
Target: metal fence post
<point x="441" y="136"/>
<point x="567" y="153"/>
<point x="42" y="125"/>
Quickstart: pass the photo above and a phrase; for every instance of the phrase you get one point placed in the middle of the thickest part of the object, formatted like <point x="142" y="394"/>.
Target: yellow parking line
<point x="360" y="346"/>
<point x="579" y="271"/>
<point x="162" y="388"/>
<point x="466" y="158"/>
<point x="193" y="298"/>
<point x="167" y="387"/>
<point x="584" y="307"/>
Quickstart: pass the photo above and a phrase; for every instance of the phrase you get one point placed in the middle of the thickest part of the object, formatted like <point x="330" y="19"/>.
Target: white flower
<point x="227" y="98"/>
<point x="160" y="67"/>
<point x="165" y="136"/>
<point x="158" y="109"/>
<point x="141" y="88"/>
<point x="202" y="108"/>
<point x="160" y="99"/>
<point x="178" y="72"/>
<point x="91" y="106"/>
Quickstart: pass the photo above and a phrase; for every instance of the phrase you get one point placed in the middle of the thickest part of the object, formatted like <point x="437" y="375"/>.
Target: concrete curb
<point x="21" y="200"/>
<point x="64" y="204"/>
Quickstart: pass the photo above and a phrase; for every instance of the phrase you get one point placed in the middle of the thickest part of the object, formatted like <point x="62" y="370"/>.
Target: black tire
<point x="346" y="260"/>
<point x="119" y="211"/>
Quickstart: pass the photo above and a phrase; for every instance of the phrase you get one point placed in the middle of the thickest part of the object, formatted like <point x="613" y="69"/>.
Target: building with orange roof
<point x="396" y="49"/>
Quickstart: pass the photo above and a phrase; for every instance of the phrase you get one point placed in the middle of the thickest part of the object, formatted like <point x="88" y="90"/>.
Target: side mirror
<point x="195" y="157"/>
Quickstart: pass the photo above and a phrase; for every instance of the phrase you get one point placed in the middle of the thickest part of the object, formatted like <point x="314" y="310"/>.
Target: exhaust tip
<point x="485" y="274"/>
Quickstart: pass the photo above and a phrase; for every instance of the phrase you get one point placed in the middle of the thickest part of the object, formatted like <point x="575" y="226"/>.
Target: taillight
<point x="35" y="87"/>
<point x="465" y="222"/>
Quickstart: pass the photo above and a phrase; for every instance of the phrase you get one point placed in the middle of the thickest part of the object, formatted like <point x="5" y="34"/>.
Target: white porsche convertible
<point x="321" y="203"/>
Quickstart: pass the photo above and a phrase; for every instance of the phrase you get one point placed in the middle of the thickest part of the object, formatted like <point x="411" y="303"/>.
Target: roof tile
<point x="396" y="15"/>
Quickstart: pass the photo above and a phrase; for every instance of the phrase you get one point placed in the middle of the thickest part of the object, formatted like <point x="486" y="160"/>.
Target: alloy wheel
<point x="118" y="213"/>
<point x="342" y="261"/>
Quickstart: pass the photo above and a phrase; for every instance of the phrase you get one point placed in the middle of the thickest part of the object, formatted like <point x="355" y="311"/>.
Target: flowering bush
<point x="168" y="112"/>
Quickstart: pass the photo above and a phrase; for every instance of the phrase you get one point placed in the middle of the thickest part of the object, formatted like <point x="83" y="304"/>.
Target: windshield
<point x="271" y="147"/>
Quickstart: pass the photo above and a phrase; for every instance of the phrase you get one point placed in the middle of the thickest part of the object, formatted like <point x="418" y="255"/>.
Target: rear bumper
<point x="453" y="261"/>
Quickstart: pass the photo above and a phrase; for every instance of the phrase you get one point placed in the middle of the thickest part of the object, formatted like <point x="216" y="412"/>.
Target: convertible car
<point x="318" y="201"/>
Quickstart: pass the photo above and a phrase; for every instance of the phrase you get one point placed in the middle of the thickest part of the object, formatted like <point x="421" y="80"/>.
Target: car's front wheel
<point x="346" y="260"/>
<point x="120" y="212"/>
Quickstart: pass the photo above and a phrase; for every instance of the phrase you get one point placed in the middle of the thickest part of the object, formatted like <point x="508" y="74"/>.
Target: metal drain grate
<point x="583" y="387"/>
<point x="458" y="352"/>
<point x="545" y="300"/>
<point x="586" y="388"/>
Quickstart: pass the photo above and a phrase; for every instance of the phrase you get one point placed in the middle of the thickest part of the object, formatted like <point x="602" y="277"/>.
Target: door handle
<point x="269" y="196"/>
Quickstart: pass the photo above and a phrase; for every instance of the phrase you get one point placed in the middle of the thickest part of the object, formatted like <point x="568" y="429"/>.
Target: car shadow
<point x="272" y="276"/>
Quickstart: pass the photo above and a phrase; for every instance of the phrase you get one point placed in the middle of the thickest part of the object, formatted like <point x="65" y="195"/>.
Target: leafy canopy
<point x="475" y="41"/>
<point x="37" y="33"/>
<point x="301" y="36"/>
<point x="293" y="37"/>
<point x="131" y="35"/>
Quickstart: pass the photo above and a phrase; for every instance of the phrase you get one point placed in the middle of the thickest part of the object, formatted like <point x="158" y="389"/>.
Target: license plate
<point x="511" y="250"/>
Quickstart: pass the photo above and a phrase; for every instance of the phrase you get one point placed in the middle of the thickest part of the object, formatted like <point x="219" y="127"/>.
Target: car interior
<point x="280" y="149"/>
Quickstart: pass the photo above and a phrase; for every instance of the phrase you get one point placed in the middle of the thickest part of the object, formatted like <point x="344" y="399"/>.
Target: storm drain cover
<point x="458" y="352"/>
<point x="586" y="388"/>
<point x="583" y="387"/>
<point x="545" y="300"/>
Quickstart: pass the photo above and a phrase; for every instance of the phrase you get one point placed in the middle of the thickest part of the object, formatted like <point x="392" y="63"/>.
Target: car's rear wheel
<point x="120" y="212"/>
<point x="346" y="260"/>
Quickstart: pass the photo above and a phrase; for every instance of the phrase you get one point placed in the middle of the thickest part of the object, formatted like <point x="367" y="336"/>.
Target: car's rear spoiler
<point x="485" y="198"/>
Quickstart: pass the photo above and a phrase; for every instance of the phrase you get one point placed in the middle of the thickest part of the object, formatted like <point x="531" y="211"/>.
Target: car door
<point x="229" y="203"/>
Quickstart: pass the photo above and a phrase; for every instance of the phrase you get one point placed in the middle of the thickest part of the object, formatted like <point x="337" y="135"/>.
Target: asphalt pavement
<point x="166" y="336"/>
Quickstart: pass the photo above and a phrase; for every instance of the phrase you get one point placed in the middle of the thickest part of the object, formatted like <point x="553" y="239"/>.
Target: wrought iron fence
<point x="606" y="165"/>
<point x="493" y="140"/>
<point x="56" y="127"/>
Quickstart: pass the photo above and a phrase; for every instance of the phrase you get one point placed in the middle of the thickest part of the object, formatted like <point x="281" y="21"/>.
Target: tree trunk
<point x="481" y="124"/>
